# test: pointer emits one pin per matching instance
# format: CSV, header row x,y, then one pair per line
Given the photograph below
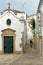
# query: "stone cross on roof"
x,y
9,6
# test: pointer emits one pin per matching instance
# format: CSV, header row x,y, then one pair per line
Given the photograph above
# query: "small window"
x,y
8,22
38,17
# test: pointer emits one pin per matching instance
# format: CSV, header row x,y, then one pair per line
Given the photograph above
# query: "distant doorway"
x,y
8,44
31,43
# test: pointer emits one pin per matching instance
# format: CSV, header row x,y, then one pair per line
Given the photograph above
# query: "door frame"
x,y
12,44
8,32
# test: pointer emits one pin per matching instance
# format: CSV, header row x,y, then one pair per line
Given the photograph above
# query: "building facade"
x,y
39,28
12,31
29,29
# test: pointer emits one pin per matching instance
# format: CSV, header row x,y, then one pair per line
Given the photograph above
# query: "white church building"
x,y
12,31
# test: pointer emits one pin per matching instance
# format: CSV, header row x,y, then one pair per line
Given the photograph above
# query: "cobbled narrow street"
x,y
28,58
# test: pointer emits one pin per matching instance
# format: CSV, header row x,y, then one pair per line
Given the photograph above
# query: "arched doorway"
x,y
8,38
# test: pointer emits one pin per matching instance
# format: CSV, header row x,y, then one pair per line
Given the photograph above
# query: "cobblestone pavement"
x,y
28,58
25,60
7,58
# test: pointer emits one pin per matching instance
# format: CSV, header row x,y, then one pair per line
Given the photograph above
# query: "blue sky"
x,y
30,6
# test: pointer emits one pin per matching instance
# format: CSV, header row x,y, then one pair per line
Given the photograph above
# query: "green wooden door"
x,y
8,44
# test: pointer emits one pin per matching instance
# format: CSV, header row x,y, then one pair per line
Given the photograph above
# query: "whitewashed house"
x,y
12,31
29,30
39,28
